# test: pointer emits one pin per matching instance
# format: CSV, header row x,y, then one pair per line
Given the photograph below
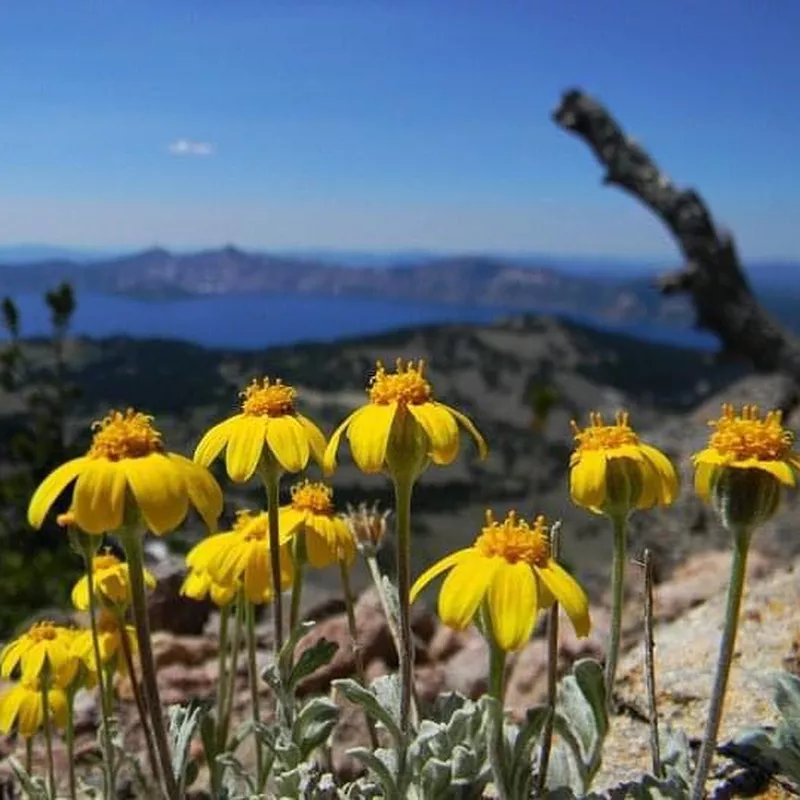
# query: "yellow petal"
x,y
448,562
587,479
569,594
468,425
99,498
703,475
321,553
30,713
210,446
781,470
329,457
257,581
289,521
316,439
288,441
159,489
709,456
368,435
464,588
57,700
10,702
11,655
33,661
513,605
196,585
668,483
204,492
80,594
50,488
441,429
245,445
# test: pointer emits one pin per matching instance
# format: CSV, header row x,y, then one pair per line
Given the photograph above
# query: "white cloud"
x,y
188,147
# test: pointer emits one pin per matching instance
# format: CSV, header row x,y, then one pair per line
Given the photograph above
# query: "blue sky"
x,y
389,124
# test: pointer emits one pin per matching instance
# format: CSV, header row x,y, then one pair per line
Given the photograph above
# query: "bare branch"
x,y
714,278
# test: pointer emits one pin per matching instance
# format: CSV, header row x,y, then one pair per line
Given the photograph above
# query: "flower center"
x,y
267,399
252,527
515,540
43,632
599,436
748,436
314,497
128,435
405,386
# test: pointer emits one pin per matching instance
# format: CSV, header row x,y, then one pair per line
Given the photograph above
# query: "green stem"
x,y
105,706
132,541
222,733
735,588
552,688
617,596
141,703
402,490
271,476
358,654
377,579
497,670
70,743
299,557
253,675
48,736
29,755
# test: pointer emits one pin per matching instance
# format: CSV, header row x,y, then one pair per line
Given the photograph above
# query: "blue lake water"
x,y
256,321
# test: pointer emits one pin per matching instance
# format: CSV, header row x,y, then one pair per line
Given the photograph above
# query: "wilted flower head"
x,y
613,472
368,524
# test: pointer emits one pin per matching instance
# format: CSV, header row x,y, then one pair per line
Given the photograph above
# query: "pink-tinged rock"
x,y
468,670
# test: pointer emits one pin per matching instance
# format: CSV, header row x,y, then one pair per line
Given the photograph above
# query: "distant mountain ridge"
x,y
497,282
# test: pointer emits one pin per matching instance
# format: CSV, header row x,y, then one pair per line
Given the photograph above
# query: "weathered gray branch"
x,y
722,296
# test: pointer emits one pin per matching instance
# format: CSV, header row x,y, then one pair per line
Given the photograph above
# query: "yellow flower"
x,y
401,426
111,580
241,557
199,585
126,464
109,640
509,569
327,538
268,422
612,472
45,649
22,704
747,461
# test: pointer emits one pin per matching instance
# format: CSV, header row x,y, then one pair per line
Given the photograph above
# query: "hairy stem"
x,y
552,688
735,588
358,655
617,597
403,490
48,735
132,541
139,699
222,732
271,476
253,677
105,706
69,736
299,558
649,664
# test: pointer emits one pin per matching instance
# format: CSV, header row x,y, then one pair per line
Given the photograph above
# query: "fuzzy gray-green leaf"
x,y
382,764
357,694
318,655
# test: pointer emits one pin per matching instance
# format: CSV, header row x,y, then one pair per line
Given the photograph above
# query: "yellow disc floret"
x,y
599,436
747,436
314,497
515,540
125,435
406,386
266,399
